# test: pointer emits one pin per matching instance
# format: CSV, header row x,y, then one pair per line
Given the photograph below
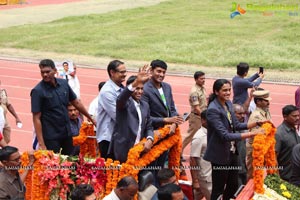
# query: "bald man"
x,y
240,113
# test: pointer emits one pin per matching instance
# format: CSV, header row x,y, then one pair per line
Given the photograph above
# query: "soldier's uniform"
x,y
197,97
257,115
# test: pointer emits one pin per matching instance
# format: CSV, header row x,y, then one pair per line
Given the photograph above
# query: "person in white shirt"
x,y
126,189
74,82
94,104
201,169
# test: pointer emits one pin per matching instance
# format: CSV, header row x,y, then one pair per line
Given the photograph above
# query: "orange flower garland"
x,y
109,176
134,162
263,153
39,190
27,183
87,145
174,156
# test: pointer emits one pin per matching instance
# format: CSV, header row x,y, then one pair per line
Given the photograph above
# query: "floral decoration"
x,y
282,187
91,171
263,156
87,145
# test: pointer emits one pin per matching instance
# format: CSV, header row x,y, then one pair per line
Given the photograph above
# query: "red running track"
x,y
19,78
29,3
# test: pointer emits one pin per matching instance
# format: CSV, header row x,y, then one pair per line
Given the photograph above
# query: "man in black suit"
x,y
133,122
158,95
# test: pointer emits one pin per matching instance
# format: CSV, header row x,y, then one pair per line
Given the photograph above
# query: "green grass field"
x,y
178,31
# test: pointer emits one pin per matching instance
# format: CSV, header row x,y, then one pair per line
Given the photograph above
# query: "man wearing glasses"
x,y
11,182
106,114
261,113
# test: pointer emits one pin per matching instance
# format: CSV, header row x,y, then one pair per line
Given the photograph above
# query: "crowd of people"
x,y
221,130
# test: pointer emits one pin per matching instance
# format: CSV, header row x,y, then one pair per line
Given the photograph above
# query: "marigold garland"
x,y
37,186
174,156
87,145
27,183
134,162
109,175
114,171
263,156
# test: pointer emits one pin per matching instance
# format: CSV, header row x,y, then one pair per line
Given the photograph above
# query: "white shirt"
x,y
111,196
163,98
74,84
93,108
2,119
198,148
138,109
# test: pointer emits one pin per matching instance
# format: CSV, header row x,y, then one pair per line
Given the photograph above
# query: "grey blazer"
x,y
220,132
158,110
127,124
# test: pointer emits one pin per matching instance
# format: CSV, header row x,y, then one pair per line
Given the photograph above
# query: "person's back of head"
x,y
82,191
165,175
158,63
169,192
6,151
126,188
47,63
100,85
242,68
130,79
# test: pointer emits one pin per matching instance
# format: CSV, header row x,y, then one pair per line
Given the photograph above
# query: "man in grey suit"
x,y
133,122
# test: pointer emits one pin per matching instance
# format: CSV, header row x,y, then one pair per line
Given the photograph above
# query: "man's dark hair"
x,y
131,79
164,174
203,114
288,109
165,192
47,63
242,68
82,191
100,85
197,74
158,63
65,63
113,65
6,151
126,181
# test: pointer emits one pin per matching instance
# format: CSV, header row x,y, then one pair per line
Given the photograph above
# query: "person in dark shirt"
x,y
240,84
49,101
11,182
295,178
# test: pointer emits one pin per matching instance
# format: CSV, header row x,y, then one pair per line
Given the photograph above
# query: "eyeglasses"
x,y
121,72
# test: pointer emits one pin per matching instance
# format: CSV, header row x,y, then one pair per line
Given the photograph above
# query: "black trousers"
x,y
225,179
65,145
103,147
